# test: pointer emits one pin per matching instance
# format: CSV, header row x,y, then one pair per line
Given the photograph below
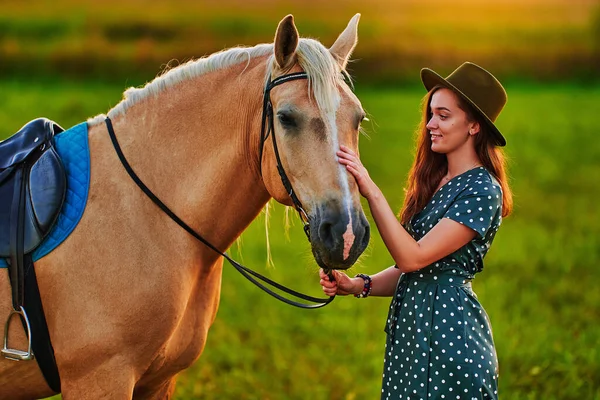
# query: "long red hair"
x,y
429,167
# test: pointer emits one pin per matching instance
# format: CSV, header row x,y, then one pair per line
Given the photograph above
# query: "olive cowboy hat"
x,y
477,87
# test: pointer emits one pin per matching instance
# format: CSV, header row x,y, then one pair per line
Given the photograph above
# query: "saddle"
x,y
33,185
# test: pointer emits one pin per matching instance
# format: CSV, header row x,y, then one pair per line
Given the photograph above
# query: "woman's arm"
x,y
382,283
445,237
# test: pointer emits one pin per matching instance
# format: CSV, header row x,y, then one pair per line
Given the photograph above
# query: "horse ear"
x,y
286,41
344,45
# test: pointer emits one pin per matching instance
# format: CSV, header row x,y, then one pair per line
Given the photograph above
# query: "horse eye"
x,y
286,120
362,118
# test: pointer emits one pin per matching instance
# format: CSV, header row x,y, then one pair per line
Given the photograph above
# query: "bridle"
x,y
267,127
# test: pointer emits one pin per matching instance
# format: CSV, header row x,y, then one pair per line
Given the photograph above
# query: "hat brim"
x,y
432,79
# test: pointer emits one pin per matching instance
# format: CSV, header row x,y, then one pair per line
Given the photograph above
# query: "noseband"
x,y
267,127
252,276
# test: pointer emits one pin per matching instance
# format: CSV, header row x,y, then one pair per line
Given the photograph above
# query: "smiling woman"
x,y
439,339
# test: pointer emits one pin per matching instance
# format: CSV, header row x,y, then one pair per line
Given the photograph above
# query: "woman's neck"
x,y
461,161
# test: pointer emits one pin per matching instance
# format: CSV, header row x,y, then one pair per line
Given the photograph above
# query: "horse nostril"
x,y
366,237
326,234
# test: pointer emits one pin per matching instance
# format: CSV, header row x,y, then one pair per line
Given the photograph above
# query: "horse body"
x,y
129,296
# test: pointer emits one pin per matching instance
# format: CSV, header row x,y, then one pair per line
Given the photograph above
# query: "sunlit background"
x,y
69,60
524,39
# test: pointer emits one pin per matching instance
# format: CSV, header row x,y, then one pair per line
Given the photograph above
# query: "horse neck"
x,y
196,146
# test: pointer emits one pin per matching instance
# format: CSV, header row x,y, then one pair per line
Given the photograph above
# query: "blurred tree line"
x,y
136,39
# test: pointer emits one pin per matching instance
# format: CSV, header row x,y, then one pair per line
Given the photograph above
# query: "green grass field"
x,y
539,285
67,60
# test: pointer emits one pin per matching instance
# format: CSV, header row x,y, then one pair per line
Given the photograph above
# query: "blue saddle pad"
x,y
73,147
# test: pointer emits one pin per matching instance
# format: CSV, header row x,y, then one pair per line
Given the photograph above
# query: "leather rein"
x,y
267,126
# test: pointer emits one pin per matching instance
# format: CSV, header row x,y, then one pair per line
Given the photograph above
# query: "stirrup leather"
x,y
15,354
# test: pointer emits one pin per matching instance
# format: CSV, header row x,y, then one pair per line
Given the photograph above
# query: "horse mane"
x,y
324,76
323,72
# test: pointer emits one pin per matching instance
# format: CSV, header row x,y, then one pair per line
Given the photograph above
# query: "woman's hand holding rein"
x,y
382,283
342,285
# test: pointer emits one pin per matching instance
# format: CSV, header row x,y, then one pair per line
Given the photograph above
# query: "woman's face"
x,y
449,126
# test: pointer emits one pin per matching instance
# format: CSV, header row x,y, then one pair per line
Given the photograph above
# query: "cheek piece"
x,y
267,126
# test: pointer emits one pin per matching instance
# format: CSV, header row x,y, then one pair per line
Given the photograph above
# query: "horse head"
x,y
311,118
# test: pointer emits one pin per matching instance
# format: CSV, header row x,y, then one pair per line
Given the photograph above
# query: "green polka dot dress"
x,y
439,339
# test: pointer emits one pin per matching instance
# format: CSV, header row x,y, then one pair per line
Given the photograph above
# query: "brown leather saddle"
x,y
33,185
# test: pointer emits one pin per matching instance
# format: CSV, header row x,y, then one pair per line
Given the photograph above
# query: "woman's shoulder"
x,y
482,183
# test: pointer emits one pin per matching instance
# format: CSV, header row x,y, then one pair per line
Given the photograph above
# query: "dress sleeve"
x,y
476,207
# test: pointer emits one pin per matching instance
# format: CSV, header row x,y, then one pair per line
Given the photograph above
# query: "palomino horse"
x,y
130,296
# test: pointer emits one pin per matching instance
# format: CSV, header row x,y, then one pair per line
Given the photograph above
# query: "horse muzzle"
x,y
338,235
